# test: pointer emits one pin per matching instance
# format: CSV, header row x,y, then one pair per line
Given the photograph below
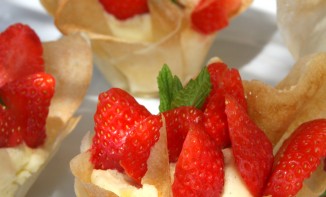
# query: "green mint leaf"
x,y
168,86
195,92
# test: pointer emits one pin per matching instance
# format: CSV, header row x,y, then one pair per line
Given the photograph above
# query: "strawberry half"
x,y
298,157
177,126
252,150
209,16
224,81
215,120
138,146
125,9
10,133
27,102
199,169
117,114
20,53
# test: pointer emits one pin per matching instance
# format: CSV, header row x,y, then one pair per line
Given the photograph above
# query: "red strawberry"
x,y
125,9
252,150
10,133
116,116
298,157
199,169
138,146
209,16
20,53
28,100
215,120
224,81
177,126
231,6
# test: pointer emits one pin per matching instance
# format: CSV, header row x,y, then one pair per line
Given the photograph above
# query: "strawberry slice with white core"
x,y
252,150
298,157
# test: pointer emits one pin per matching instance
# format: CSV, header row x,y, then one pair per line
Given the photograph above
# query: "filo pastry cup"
x,y
301,95
69,60
156,182
130,53
298,98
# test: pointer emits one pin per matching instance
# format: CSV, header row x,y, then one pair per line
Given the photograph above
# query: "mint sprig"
x,y
173,94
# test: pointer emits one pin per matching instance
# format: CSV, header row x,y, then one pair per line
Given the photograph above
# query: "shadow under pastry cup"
x,y
69,60
130,53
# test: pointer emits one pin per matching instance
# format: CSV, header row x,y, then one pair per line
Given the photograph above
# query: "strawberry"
x,y
199,169
227,80
215,121
125,9
138,146
20,53
297,158
209,16
10,133
231,6
177,125
27,100
224,81
115,118
252,150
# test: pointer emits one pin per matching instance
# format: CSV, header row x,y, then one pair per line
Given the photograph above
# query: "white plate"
x,y
251,43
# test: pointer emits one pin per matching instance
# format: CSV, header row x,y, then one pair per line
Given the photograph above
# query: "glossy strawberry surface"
x,y
138,146
298,157
209,16
177,126
116,116
25,89
199,169
125,9
20,53
252,150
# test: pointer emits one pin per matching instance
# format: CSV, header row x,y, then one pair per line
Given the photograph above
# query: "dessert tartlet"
x,y
38,97
208,140
130,49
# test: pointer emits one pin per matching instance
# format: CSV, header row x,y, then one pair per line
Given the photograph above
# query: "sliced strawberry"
x,y
252,150
125,9
28,100
232,85
138,146
20,53
298,157
10,133
231,6
199,169
209,16
224,81
215,119
116,115
177,126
